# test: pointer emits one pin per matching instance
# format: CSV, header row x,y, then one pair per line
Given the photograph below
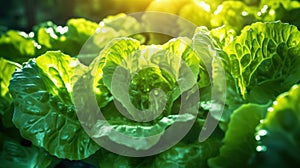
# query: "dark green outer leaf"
x,y
136,136
44,111
278,135
15,155
239,142
189,155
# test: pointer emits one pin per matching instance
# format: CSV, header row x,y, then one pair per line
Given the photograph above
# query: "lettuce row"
x,y
44,109
19,46
42,89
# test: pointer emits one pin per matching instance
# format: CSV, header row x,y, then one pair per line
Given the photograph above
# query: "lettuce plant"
x,y
150,79
44,111
264,58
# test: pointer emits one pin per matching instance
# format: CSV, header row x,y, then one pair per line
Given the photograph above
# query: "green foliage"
x,y
189,155
239,143
235,14
7,68
44,111
68,39
243,55
18,46
153,77
278,133
112,160
264,58
14,155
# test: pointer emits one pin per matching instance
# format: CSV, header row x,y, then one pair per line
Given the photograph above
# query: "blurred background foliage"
x,y
24,14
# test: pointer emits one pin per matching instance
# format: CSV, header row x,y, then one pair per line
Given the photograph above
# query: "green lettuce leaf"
x,y
213,4
120,25
189,155
264,60
276,9
44,111
69,39
18,46
223,91
144,82
7,68
135,134
148,72
235,14
239,143
14,154
192,12
223,35
80,30
278,134
112,160
153,23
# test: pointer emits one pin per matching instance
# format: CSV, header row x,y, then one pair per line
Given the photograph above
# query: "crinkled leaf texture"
x,y
239,143
279,133
265,60
223,92
148,70
143,81
44,111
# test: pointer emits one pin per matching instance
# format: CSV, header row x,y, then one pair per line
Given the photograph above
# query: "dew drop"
x,y
261,148
257,137
156,92
262,133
